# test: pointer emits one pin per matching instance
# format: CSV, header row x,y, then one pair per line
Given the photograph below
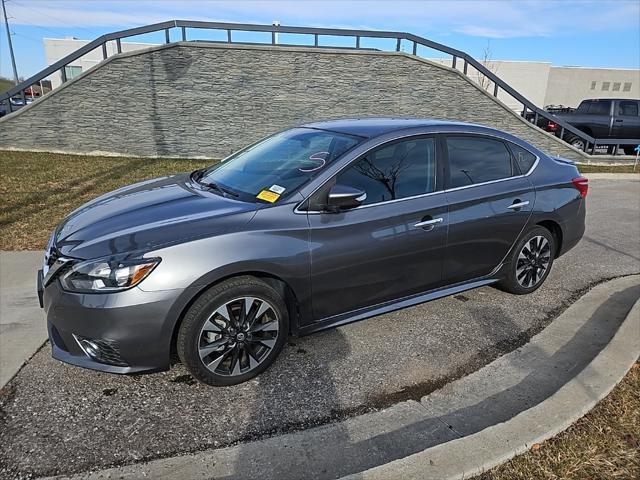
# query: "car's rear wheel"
x,y
530,262
233,331
577,142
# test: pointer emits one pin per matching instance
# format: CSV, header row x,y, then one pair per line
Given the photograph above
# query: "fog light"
x,y
103,351
89,347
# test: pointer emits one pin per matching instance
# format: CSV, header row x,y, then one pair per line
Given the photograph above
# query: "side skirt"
x,y
382,308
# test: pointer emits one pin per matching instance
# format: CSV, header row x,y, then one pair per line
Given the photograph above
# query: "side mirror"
x,y
343,197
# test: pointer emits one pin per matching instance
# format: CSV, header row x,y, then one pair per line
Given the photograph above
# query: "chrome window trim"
x,y
408,135
522,175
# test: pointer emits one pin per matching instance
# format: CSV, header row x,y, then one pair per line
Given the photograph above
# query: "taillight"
x,y
582,184
552,126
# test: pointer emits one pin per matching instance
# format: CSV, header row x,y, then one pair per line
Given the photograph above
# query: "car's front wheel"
x,y
530,262
233,331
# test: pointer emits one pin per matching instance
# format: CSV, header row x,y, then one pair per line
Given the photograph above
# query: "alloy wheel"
x,y
579,144
533,261
238,336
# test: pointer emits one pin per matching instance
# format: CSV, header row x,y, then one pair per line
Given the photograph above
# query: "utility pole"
x,y
13,58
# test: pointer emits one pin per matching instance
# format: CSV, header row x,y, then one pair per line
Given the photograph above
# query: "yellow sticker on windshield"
x,y
268,196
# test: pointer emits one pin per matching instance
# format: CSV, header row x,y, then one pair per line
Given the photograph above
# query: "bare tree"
x,y
487,54
388,178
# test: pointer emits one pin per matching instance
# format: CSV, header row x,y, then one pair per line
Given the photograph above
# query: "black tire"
x,y
576,142
525,275
230,297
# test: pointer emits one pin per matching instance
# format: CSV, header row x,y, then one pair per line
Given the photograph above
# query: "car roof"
x,y
373,127
611,99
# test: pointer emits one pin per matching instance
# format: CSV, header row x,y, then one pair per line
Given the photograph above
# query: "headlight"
x,y
95,276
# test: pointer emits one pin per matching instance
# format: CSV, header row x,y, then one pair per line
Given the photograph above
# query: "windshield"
x,y
278,165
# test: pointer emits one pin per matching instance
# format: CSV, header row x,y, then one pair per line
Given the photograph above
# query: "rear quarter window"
x,y
524,158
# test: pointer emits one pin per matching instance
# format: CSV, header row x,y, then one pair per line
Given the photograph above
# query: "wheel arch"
x,y
556,230
274,281
585,129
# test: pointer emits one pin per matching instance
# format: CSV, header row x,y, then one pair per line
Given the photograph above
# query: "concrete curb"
x,y
463,429
475,454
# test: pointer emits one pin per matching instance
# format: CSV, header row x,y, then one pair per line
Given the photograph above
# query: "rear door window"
x,y
474,160
596,107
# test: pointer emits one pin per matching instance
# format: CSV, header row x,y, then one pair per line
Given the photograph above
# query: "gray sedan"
x,y
310,228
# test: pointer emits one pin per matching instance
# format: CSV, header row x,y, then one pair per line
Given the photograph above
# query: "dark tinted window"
x,y
400,170
524,158
628,109
476,160
598,107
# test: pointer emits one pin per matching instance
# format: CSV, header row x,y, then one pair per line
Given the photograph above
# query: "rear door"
x,y
490,202
596,116
626,123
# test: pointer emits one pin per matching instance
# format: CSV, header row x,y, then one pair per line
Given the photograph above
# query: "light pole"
x,y
13,58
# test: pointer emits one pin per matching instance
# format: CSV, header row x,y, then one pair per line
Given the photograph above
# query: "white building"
x,y
57,48
540,82
545,84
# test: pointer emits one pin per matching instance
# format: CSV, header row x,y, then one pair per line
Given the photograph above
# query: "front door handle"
x,y
518,205
428,223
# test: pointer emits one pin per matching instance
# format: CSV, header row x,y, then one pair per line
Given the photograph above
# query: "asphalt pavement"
x,y
56,418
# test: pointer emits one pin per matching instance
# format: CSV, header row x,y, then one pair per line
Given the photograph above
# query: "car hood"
x,y
148,215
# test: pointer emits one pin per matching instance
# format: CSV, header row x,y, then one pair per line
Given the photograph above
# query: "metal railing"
x,y
529,110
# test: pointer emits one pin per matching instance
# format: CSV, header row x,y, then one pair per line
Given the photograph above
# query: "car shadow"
x,y
543,373
246,464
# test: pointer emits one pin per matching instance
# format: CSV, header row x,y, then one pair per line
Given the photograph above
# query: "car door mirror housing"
x,y
343,197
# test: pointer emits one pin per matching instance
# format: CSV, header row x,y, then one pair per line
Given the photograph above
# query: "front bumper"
x,y
132,329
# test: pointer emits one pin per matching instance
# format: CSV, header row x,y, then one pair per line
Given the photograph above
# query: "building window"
x,y
627,87
616,87
72,71
605,86
593,85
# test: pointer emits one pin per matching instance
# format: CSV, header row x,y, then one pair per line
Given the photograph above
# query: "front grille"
x,y
103,351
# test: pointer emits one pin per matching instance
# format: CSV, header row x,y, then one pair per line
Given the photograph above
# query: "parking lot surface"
x,y
56,418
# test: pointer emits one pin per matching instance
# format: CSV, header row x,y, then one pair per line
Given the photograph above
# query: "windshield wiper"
x,y
196,175
218,188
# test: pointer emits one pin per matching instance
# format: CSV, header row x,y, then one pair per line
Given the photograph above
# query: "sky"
x,y
563,32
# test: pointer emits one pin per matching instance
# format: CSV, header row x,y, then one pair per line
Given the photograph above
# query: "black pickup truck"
x,y
601,118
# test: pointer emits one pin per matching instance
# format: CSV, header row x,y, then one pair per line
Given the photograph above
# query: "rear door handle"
x,y
428,223
518,205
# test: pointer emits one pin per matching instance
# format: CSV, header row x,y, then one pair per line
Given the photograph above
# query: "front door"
x,y
392,245
626,121
490,202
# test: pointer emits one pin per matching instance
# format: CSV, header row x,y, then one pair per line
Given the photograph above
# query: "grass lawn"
x,y
604,444
38,189
584,168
